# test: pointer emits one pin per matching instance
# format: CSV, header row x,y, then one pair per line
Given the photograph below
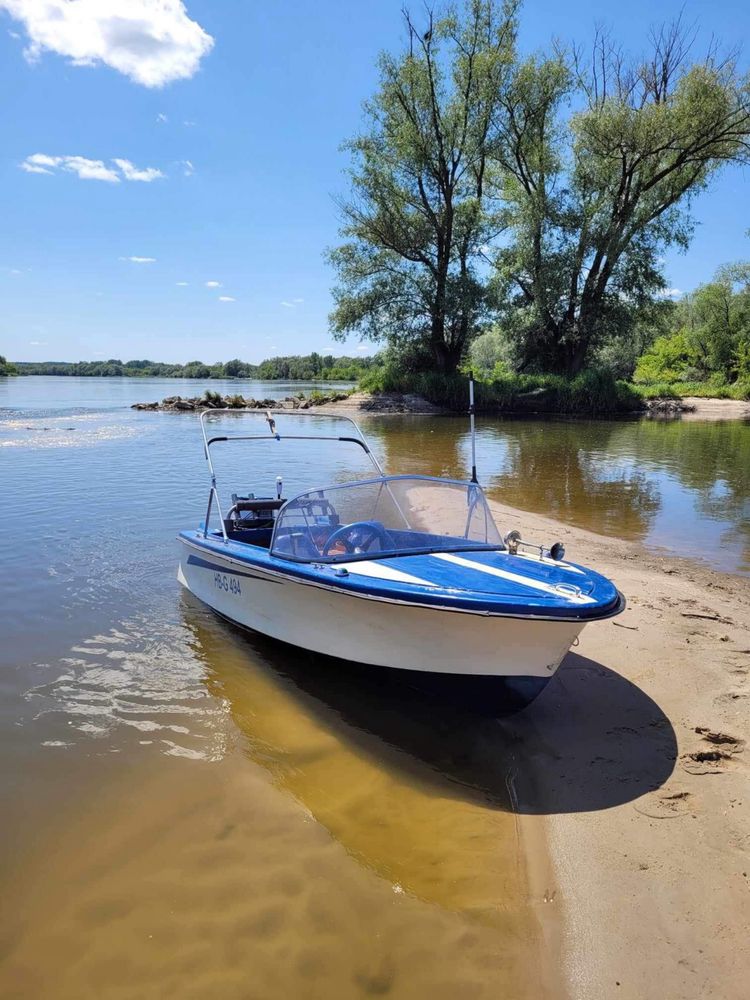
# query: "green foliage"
x,y
410,269
704,390
709,344
463,142
592,203
592,392
667,360
294,367
491,351
6,368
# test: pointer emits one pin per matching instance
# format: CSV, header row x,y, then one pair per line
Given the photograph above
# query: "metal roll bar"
x,y
274,434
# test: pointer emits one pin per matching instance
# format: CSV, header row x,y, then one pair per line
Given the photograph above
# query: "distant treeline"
x,y
293,367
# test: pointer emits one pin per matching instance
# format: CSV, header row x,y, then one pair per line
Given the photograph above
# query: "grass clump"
x,y
592,393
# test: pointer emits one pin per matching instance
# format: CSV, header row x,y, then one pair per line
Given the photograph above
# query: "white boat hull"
x,y
376,631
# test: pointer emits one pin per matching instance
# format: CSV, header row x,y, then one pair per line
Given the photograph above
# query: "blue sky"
x,y
245,127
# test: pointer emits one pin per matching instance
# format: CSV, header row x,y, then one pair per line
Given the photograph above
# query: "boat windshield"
x,y
393,515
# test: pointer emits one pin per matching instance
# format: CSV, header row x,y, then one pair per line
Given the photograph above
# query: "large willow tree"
x,y
592,200
414,227
579,173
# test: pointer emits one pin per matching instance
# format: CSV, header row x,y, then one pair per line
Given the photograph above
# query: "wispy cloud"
x,y
292,303
188,124
140,260
187,168
133,173
182,284
153,42
671,293
162,118
363,347
87,169
226,298
213,284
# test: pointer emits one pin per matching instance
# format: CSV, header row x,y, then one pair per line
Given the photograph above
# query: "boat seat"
x,y
258,503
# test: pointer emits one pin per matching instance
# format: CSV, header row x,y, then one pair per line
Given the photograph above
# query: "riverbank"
x,y
362,402
688,407
641,785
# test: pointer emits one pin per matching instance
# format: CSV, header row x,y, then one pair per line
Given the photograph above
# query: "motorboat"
x,y
408,572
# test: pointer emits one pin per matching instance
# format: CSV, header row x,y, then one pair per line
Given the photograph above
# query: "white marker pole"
x,y
473,433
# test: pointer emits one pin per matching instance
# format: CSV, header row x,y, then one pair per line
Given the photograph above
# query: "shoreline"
x,y
639,780
349,403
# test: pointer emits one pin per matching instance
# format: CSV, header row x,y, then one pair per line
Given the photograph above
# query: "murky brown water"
x,y
280,844
192,812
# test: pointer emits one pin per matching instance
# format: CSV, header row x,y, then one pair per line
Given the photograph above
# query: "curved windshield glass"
x,y
395,515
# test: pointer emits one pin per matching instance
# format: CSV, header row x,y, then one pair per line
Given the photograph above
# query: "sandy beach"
x,y
641,786
691,407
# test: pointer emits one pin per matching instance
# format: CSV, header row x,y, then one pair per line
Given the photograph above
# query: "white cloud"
x,y
213,284
162,118
133,173
87,169
140,260
363,347
38,343
226,298
188,124
292,303
182,284
288,305
671,293
153,42
187,168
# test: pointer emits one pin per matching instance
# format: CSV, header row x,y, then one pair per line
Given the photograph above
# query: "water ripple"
x,y
124,684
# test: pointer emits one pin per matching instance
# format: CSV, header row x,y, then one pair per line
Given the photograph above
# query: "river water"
x,y
193,812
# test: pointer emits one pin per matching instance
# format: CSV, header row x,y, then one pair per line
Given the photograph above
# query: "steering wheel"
x,y
358,537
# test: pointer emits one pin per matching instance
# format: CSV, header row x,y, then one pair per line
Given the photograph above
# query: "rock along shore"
x,y
365,402
218,402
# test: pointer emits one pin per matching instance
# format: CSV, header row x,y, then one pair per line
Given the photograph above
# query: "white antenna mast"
x,y
473,430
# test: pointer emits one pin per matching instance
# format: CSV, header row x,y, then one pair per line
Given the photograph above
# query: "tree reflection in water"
x,y
575,471
680,484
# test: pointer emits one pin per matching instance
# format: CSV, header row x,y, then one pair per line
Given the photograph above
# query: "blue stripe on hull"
x,y
217,568
456,587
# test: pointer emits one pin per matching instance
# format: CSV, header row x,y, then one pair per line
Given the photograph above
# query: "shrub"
x,y
593,392
667,360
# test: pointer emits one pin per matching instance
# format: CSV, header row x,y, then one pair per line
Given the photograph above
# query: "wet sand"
x,y
644,782
335,844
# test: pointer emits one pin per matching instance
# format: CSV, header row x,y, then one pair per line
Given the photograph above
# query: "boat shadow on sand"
x,y
590,741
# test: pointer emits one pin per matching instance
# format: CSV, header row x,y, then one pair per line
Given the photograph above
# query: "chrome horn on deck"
x,y
513,540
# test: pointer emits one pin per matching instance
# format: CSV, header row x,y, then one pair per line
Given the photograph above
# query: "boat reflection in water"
x,y
417,792
415,788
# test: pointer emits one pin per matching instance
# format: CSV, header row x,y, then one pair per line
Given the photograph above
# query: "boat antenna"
x,y
473,430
